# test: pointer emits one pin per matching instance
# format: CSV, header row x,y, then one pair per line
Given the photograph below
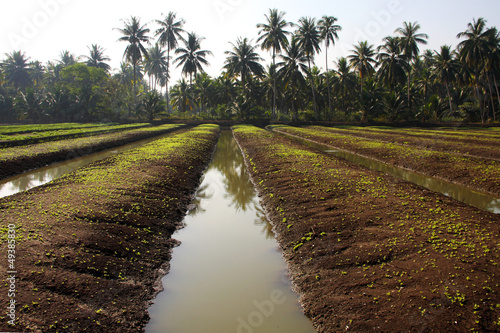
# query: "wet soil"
x,y
90,258
371,253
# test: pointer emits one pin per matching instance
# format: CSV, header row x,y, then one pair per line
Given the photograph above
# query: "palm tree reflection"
x,y
202,194
229,161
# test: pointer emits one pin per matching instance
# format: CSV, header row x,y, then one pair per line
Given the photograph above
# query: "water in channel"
x,y
461,193
227,275
38,177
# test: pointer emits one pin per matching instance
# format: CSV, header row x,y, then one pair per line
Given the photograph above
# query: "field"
x,y
37,135
469,158
15,160
365,251
93,245
22,129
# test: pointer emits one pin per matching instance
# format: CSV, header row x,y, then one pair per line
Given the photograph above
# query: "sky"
x,y
44,28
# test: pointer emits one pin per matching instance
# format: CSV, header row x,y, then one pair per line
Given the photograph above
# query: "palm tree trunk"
x,y
365,115
294,106
478,96
243,83
498,95
449,99
479,99
313,92
328,86
408,95
135,89
274,83
167,95
344,107
490,86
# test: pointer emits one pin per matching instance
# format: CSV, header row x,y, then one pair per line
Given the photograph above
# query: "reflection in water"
x,y
201,194
225,270
457,192
229,162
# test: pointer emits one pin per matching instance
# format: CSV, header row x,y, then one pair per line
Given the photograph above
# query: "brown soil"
x,y
23,163
370,253
90,257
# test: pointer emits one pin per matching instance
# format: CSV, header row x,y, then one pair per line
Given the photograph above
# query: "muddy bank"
x,y
17,160
368,252
92,246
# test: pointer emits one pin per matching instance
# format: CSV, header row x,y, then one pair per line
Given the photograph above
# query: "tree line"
x,y
393,81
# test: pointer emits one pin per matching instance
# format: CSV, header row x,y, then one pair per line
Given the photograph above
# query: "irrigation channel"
x,y
461,193
38,177
227,275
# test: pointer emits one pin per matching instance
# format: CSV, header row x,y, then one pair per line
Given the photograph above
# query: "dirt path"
x,y
91,247
370,253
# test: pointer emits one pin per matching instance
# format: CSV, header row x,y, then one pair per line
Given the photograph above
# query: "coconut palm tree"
x,y
191,57
243,61
394,104
309,39
204,91
423,78
226,90
156,64
268,83
362,61
393,65
345,81
53,72
329,33
67,58
493,62
181,96
136,35
169,34
153,103
125,74
30,102
476,51
97,58
445,69
410,39
292,67
37,72
274,37
16,69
